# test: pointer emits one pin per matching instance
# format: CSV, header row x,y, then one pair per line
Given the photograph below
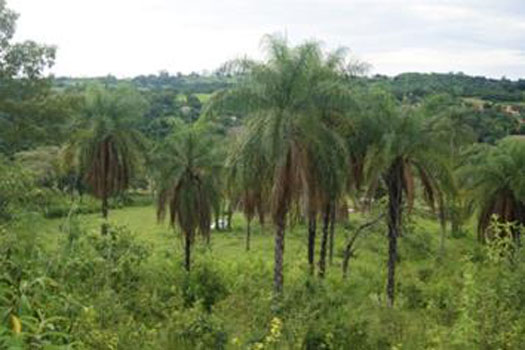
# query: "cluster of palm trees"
x,y
311,139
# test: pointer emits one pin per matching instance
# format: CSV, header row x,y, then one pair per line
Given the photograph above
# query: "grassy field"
x,y
203,97
352,309
230,245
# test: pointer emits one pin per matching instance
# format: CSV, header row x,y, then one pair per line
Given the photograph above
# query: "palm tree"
x,y
107,147
406,149
494,177
448,120
248,180
330,167
187,183
285,100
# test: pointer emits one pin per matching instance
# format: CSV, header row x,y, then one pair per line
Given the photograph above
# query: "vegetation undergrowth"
x,y
128,290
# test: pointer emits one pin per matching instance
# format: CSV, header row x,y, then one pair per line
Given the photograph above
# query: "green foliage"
x,y
204,285
418,85
186,177
494,176
121,255
56,204
192,329
20,60
125,290
28,296
51,294
107,149
309,131
17,190
44,163
28,111
491,308
184,83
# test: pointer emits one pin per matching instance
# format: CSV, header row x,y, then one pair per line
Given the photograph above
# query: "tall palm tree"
x,y
406,149
494,175
285,99
107,147
187,183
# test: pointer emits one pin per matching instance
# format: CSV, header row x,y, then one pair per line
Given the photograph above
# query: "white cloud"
x,y
130,37
440,12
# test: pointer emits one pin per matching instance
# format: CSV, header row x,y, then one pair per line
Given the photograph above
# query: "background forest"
x,y
289,203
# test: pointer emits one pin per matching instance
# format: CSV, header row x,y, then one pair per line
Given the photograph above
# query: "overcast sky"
x,y
131,37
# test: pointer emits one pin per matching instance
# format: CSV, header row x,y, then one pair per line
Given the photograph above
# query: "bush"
x,y
192,329
17,190
205,285
31,302
119,257
58,204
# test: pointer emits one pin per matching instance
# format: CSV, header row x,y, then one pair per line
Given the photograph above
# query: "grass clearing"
x,y
245,310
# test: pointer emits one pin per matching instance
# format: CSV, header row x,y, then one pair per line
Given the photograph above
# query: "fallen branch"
x,y
349,251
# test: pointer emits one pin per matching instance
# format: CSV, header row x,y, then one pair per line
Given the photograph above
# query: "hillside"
x,y
405,85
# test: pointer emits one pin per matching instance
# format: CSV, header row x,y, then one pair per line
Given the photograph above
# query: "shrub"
x,y
205,285
122,255
195,330
17,190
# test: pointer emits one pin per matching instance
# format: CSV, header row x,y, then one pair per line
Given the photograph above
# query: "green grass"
x,y
203,97
310,308
475,101
229,246
418,250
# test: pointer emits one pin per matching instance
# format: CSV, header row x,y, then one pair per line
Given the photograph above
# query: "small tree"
x,y
187,183
405,149
494,175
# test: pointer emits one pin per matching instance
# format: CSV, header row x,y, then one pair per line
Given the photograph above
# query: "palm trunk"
x,y
395,197
347,255
324,241
187,251
280,216
104,227
217,220
342,214
261,220
332,234
455,226
442,218
392,256
229,218
279,252
312,223
443,235
248,222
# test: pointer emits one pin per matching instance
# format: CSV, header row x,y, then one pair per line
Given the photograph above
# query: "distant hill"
x,y
191,83
417,85
412,86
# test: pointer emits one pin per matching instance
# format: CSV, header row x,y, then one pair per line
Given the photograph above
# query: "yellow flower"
x,y
258,346
16,324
